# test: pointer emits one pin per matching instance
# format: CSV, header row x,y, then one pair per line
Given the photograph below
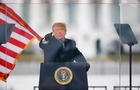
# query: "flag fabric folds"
x,y
20,38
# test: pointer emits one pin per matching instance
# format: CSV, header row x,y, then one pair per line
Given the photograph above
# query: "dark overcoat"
x,y
57,51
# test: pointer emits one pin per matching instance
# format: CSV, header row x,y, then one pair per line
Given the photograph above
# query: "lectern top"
x,y
125,34
5,32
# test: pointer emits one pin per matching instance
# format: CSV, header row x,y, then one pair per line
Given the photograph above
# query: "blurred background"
x,y
91,24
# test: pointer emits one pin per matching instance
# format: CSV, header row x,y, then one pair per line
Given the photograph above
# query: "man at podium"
x,y
60,51
57,48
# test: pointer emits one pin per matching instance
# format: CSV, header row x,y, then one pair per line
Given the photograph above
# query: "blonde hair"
x,y
59,24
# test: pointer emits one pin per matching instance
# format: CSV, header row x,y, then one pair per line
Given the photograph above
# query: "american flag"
x,y
20,38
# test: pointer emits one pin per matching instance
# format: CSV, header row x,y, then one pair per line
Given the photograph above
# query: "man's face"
x,y
59,32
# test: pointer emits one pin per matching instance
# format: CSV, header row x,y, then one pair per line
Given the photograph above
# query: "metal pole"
x,y
130,67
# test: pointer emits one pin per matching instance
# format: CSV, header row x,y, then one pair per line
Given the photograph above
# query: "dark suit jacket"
x,y
55,51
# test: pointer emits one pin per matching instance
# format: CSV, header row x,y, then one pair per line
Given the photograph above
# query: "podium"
x,y
63,76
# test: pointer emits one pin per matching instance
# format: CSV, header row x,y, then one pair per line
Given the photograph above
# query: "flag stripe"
x,y
19,37
3,76
7,58
12,47
23,33
16,42
8,52
6,64
2,21
4,69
